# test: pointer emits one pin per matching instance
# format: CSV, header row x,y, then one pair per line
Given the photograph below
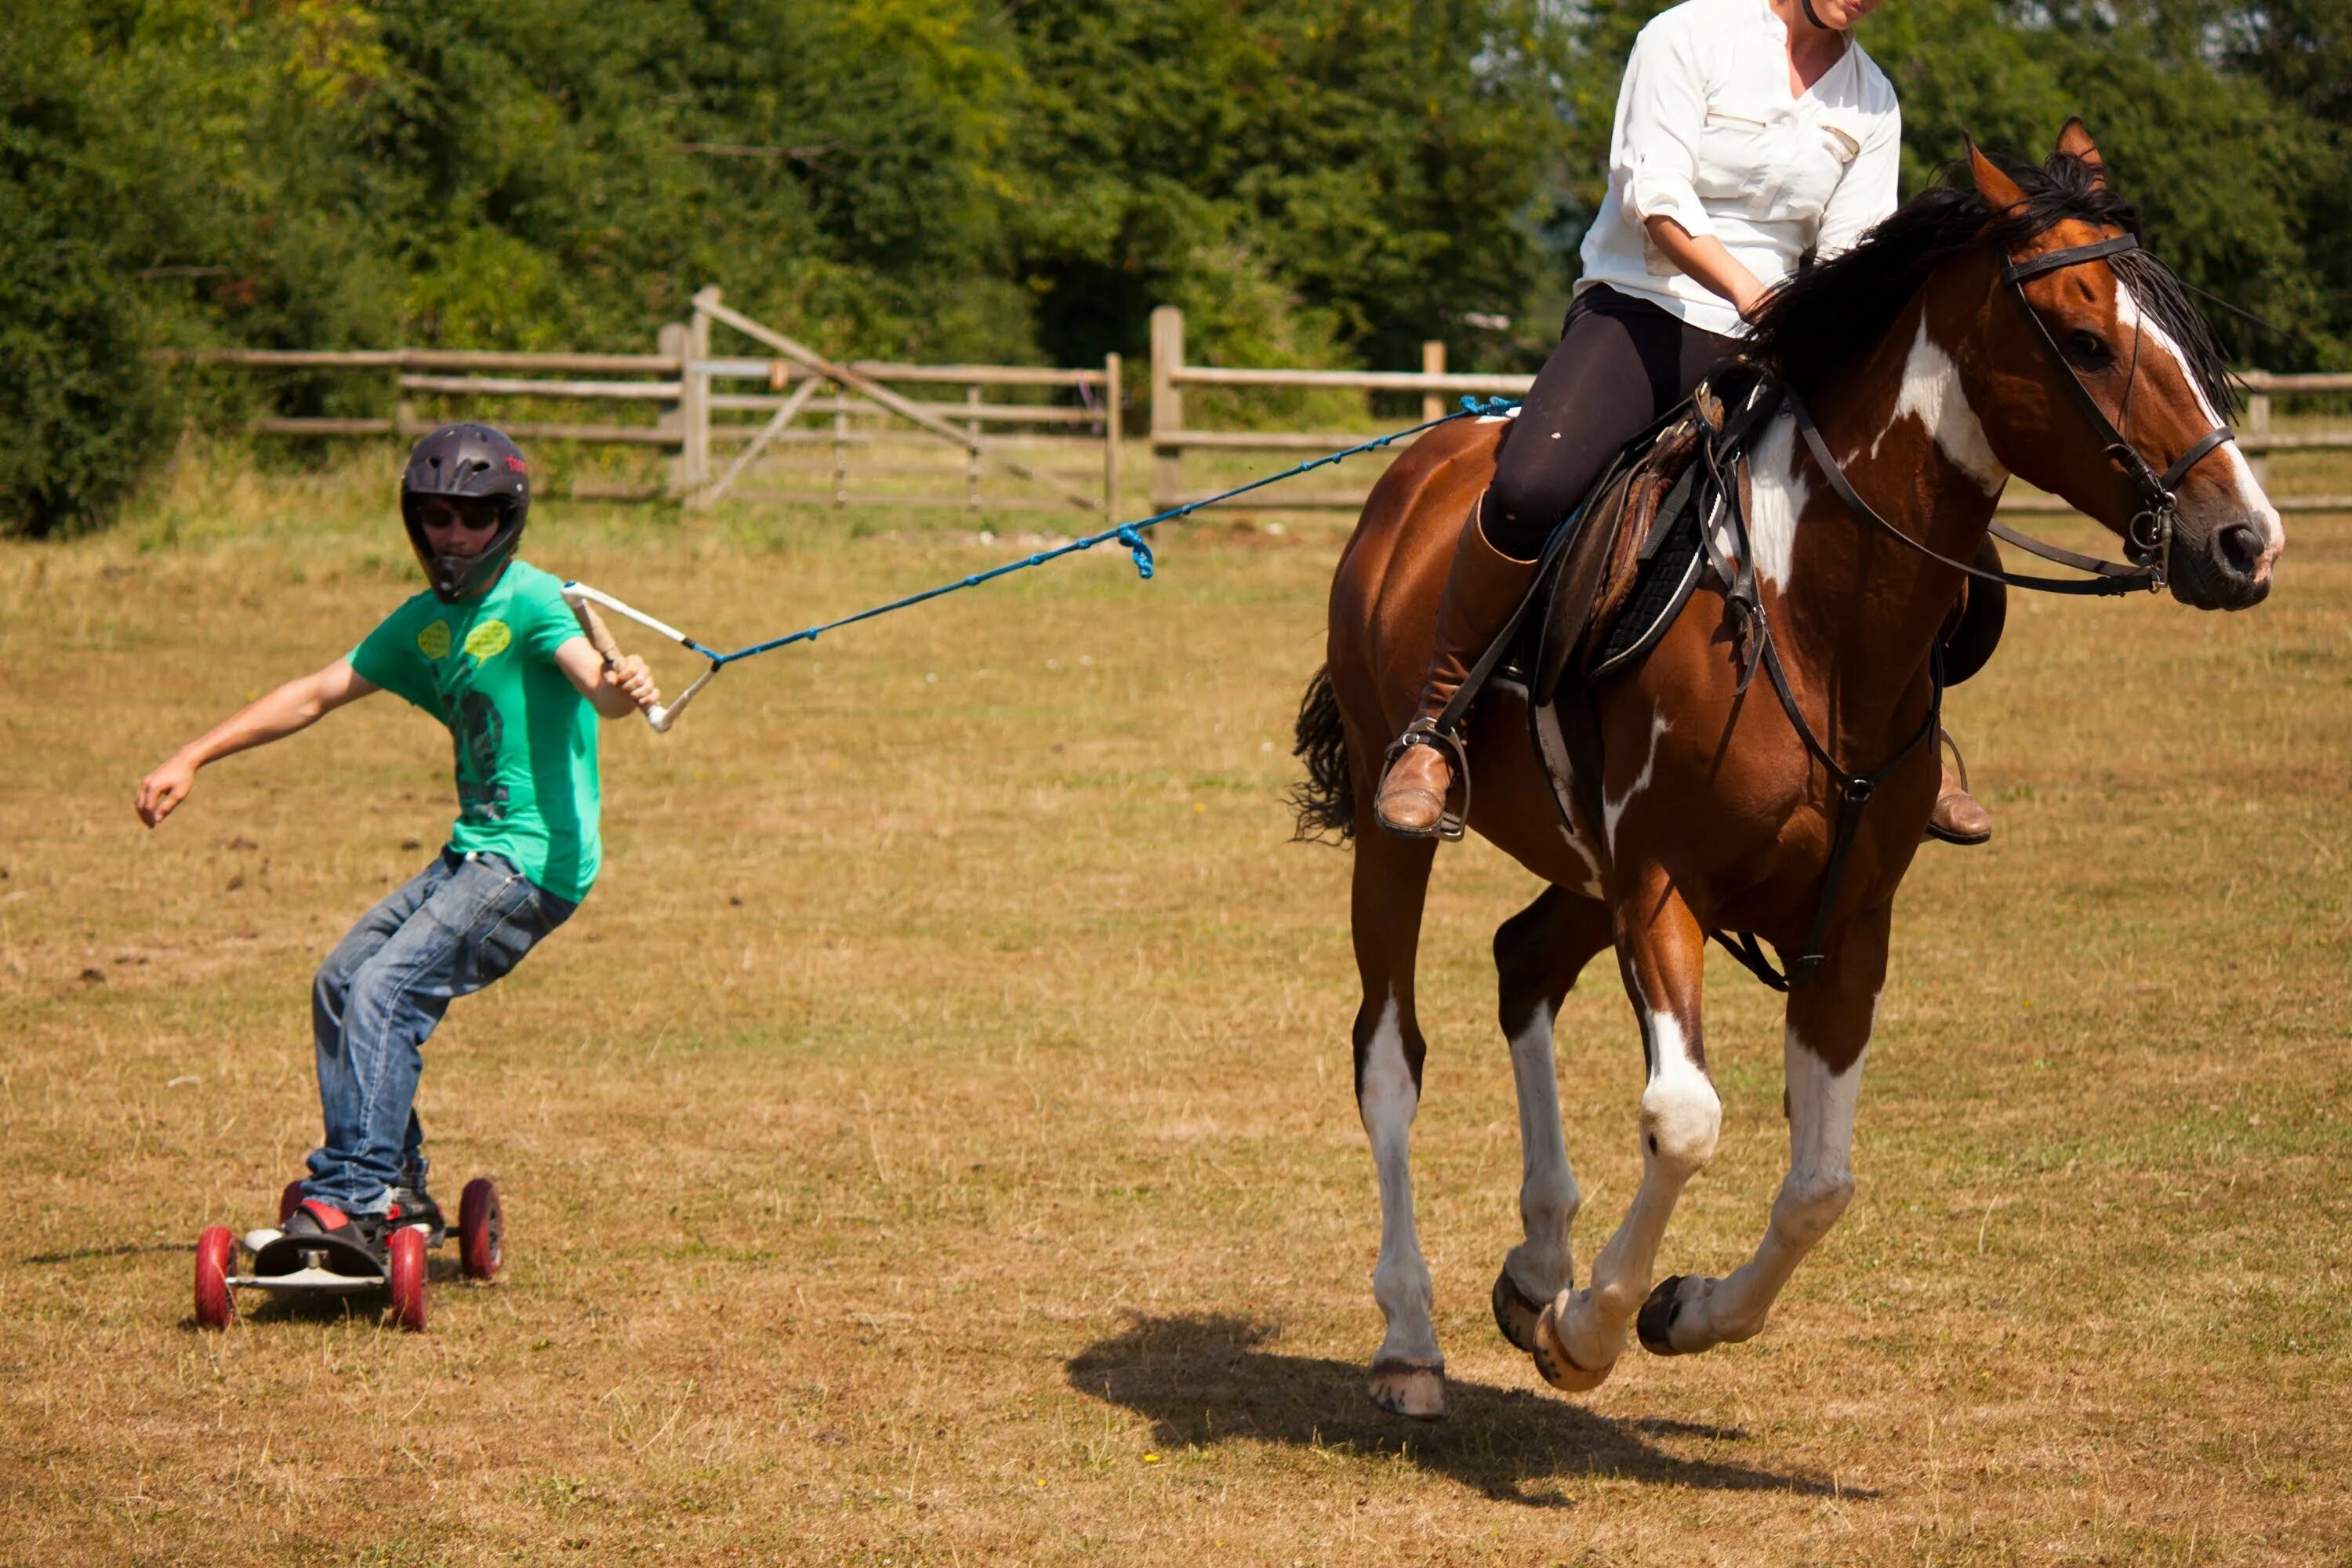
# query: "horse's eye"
x,y
2088,349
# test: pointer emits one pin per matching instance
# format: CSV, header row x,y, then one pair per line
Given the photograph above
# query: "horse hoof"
x,y
1515,1314
1410,1388
1656,1323
1552,1360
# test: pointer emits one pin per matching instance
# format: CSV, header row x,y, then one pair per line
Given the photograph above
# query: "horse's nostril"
x,y
2241,549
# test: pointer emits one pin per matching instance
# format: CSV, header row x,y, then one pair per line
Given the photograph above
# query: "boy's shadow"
x,y
1208,1379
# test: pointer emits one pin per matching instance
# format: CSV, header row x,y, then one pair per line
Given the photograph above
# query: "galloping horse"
x,y
2012,330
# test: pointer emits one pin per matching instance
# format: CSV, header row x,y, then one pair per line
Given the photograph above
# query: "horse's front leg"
x,y
1829,1025
1660,950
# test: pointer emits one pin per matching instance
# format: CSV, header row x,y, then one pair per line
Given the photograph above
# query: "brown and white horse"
x,y
1919,356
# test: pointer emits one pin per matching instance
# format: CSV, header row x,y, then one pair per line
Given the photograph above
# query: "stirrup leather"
x,y
1425,732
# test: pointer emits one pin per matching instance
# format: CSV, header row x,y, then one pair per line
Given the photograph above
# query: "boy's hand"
x,y
165,788
631,678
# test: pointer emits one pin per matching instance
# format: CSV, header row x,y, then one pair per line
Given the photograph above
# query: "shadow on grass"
x,y
1210,1379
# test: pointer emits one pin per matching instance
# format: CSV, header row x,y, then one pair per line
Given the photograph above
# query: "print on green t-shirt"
x,y
525,739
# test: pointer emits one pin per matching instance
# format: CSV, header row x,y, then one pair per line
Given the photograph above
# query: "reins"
x,y
2147,539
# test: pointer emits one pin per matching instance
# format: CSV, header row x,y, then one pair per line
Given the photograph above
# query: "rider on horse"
x,y
1748,133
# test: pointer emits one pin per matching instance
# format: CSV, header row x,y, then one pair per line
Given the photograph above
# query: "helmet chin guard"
x,y
466,462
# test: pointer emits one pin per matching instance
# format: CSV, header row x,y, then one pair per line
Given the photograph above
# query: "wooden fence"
x,y
874,432
872,444
1172,438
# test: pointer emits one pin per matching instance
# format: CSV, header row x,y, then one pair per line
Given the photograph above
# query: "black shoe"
x,y
356,1240
410,1206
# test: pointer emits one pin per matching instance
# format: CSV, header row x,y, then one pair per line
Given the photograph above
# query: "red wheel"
x,y
289,1200
406,1277
215,1301
482,1239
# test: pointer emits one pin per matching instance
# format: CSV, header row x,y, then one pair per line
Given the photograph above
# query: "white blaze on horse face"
x,y
2246,488
1933,394
1613,810
1387,1097
1780,494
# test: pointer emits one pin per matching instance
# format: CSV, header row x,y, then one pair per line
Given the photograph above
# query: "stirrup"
x,y
1946,743
1424,732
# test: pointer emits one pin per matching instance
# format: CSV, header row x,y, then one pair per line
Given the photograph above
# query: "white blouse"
x,y
1706,134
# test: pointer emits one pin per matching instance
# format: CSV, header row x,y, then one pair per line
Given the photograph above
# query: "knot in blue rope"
x,y
1136,547
1490,407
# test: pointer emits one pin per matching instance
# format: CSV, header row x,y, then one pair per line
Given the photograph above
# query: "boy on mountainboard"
x,y
492,650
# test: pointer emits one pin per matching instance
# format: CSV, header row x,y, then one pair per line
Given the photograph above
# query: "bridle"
x,y
2148,538
2147,542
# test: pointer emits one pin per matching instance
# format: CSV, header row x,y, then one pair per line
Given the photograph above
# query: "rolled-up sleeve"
x,y
1661,115
1867,191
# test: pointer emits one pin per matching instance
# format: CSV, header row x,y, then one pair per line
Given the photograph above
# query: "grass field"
x,y
932,1142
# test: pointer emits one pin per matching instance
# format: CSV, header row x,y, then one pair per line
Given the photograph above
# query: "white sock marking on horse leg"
x,y
1611,811
1386,1100
1815,1191
1779,499
1681,1119
2248,490
1933,394
1543,1265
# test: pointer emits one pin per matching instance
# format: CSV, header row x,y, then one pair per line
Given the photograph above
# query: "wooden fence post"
x,y
1111,412
840,448
2258,423
1167,407
1432,362
693,398
971,455
673,341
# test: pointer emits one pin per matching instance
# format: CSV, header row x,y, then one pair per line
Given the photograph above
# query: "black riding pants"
x,y
1622,361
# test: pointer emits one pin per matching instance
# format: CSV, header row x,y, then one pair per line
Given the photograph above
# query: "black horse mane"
x,y
1828,313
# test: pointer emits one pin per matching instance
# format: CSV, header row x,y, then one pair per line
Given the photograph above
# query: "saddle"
x,y
1634,549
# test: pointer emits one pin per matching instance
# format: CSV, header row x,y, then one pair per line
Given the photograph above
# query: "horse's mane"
x,y
1830,312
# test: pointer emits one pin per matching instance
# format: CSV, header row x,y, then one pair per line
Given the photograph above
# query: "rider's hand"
x,y
629,676
165,788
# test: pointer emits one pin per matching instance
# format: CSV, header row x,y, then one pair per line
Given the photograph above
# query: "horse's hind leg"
x,y
1827,1031
1539,953
1392,878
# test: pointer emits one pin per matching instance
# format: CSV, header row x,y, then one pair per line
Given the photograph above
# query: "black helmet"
x,y
475,462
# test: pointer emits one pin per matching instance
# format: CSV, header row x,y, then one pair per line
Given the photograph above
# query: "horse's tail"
x,y
1326,802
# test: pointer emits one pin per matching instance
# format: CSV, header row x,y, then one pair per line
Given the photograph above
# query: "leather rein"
x,y
2148,541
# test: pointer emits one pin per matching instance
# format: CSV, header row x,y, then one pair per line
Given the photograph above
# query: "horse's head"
x,y
2098,380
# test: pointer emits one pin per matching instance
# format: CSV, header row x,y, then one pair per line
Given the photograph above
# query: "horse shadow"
x,y
1207,1379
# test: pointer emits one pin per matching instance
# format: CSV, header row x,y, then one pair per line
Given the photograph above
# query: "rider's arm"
x,y
1703,259
1661,117
1866,192
616,692
296,705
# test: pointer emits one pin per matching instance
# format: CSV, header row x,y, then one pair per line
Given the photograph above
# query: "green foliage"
x,y
1319,181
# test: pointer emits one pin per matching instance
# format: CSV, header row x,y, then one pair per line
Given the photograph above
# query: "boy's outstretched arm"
x,y
296,705
616,691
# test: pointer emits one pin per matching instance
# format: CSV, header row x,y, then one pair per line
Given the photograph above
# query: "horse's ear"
x,y
2076,142
1999,192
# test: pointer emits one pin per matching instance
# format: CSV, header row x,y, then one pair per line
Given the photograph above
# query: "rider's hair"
x,y
1814,323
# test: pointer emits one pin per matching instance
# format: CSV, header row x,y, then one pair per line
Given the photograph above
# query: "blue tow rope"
x,y
1130,535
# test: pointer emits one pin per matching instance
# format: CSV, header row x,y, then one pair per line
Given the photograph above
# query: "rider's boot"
x,y
1482,588
1959,818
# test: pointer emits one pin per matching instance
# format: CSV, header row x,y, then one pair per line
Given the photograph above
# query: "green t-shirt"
x,y
526,739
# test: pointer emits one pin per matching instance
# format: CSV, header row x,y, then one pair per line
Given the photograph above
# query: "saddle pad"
x,y
1668,573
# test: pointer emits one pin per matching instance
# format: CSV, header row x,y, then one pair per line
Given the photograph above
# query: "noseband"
x,y
2148,539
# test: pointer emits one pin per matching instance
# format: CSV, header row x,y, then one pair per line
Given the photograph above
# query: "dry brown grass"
x,y
932,1142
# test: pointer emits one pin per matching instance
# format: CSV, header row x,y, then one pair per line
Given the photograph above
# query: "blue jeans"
x,y
452,929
